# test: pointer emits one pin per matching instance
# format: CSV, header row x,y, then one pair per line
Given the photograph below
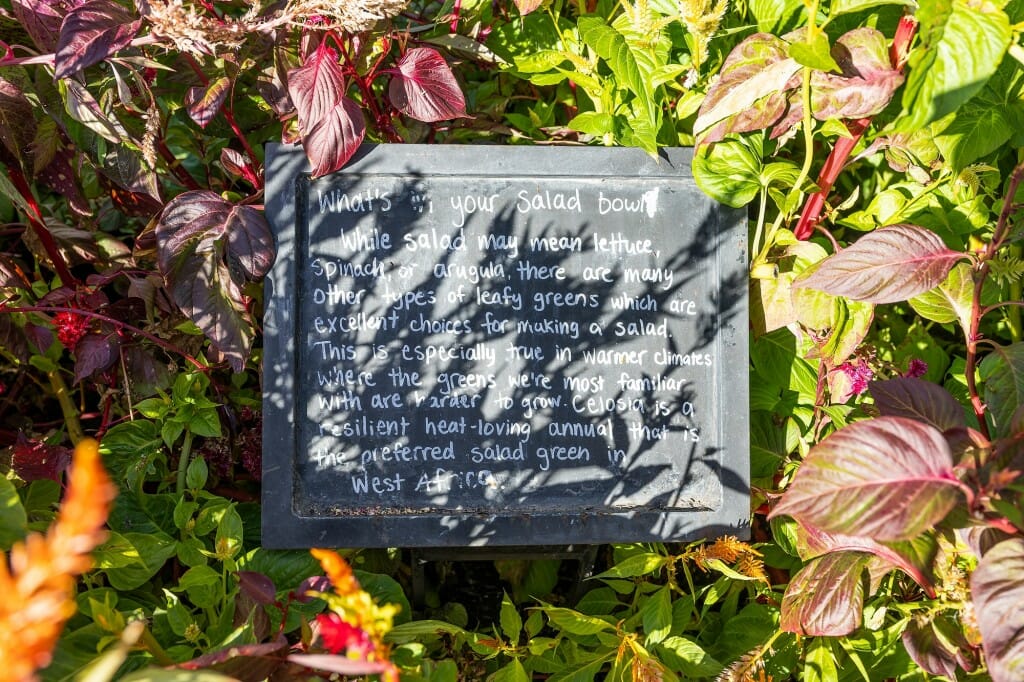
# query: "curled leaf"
x,y
885,266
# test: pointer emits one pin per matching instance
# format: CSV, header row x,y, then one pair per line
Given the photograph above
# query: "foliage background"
x,y
878,146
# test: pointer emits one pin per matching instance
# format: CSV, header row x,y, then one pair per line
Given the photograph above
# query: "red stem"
x,y
811,214
35,220
980,274
380,120
229,116
453,27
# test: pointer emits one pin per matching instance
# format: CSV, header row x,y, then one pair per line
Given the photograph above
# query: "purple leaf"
x,y
867,83
826,597
95,352
425,88
750,93
92,32
889,478
998,594
888,265
204,103
918,399
332,125
200,239
938,646
41,19
257,587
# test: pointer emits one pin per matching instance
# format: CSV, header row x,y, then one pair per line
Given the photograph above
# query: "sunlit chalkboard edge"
x,y
283,528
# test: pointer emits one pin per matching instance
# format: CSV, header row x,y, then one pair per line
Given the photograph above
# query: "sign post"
x,y
482,346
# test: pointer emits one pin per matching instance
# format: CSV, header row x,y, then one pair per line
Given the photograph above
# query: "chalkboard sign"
x,y
472,345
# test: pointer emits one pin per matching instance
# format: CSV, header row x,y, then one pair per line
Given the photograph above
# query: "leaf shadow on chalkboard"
x,y
450,378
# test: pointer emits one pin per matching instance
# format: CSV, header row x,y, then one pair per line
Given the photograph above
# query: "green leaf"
x,y
773,15
612,47
850,6
575,623
980,127
13,520
820,662
815,54
728,172
511,621
386,590
686,656
156,675
539,61
656,612
1002,370
593,123
128,448
646,563
417,630
196,474
229,533
202,584
950,301
513,672
285,568
582,672
131,559
961,46
205,423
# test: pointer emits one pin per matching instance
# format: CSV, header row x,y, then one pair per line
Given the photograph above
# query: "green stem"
x,y
67,406
805,170
153,647
183,461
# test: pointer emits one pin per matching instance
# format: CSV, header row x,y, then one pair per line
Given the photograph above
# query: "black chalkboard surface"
x,y
473,345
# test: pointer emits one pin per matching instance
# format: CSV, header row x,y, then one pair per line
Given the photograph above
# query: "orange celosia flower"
x,y
338,571
37,586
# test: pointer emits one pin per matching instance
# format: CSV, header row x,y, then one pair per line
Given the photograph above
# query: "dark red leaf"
x,y
60,176
938,646
425,88
92,32
200,239
885,266
257,587
17,124
826,597
95,352
35,460
332,125
239,165
204,103
917,399
998,594
888,478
